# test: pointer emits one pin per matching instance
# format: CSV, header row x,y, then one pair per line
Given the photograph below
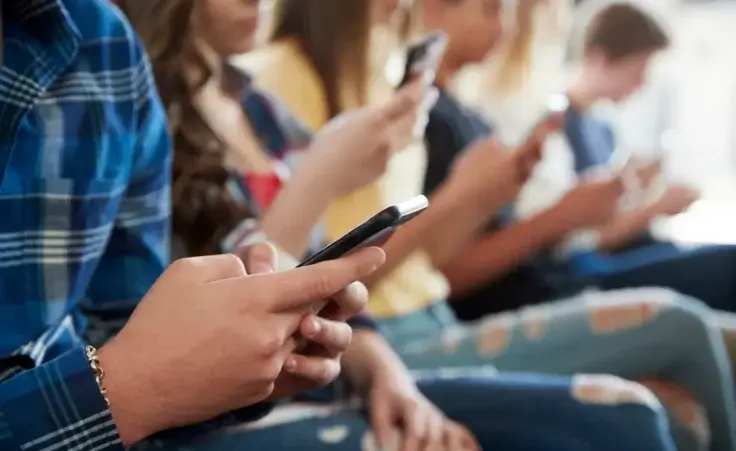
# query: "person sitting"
x,y
621,253
407,294
86,184
220,202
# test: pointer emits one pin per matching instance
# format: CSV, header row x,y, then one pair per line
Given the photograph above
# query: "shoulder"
x,y
275,59
107,40
99,20
281,68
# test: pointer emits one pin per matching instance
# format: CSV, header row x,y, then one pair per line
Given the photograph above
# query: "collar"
x,y
46,20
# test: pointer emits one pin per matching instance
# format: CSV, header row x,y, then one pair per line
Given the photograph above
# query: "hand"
x,y
675,200
592,203
318,363
421,426
493,173
208,338
647,172
354,148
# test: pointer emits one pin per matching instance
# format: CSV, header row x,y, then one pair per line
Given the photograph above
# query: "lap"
x,y
505,412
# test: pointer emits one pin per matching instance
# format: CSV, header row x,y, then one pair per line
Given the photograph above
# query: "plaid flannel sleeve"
x,y
56,406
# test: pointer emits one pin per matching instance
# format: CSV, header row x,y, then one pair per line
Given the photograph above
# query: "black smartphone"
x,y
424,56
373,232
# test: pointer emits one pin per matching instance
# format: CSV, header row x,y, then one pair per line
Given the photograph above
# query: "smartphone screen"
x,y
424,56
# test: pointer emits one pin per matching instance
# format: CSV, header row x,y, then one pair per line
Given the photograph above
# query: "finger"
x,y
405,102
415,430
346,303
458,437
382,422
319,370
300,288
435,431
260,258
334,336
212,268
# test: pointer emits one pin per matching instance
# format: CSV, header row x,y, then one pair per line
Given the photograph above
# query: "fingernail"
x,y
314,328
290,364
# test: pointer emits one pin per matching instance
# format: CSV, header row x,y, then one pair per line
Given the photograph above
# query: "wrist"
x,y
322,191
474,194
132,418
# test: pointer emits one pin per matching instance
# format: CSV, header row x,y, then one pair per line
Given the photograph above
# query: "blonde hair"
x,y
515,60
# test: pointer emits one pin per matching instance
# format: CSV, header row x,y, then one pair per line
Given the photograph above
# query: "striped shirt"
x,y
84,193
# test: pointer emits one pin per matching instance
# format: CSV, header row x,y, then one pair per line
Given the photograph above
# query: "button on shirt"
x,y
84,199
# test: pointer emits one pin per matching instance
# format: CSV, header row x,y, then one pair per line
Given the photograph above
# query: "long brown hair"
x,y
203,209
335,36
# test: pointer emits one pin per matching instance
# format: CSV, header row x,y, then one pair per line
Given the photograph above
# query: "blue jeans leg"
x,y
506,413
636,334
707,273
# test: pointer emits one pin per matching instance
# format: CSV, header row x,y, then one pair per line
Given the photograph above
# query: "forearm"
x,y
369,356
625,228
293,215
453,217
489,257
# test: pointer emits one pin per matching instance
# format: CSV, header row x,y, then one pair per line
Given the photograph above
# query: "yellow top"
x,y
283,69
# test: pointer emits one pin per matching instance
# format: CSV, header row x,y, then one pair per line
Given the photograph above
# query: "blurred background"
x,y
688,112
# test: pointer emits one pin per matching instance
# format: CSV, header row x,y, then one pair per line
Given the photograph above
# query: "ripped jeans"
x,y
509,412
639,334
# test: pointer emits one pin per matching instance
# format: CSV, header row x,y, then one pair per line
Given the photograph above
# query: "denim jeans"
x,y
505,412
637,334
707,273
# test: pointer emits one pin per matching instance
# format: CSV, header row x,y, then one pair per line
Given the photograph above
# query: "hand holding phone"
x,y
424,56
376,231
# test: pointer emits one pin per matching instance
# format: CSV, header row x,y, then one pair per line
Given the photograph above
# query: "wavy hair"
x,y
204,211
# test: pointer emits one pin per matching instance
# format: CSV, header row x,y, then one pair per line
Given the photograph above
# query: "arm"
x,y
456,212
625,228
370,356
292,231
491,256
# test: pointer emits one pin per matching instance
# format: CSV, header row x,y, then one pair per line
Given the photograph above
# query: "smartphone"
x,y
373,232
424,56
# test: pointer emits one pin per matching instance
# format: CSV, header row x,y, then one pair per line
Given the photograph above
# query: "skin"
x,y
601,78
474,27
370,363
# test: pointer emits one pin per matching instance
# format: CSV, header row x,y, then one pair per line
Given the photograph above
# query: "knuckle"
x,y
266,391
270,370
185,266
323,286
269,344
330,372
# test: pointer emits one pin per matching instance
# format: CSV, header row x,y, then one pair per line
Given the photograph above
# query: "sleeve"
x,y
138,250
442,150
56,406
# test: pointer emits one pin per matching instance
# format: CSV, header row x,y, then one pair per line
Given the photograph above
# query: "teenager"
x,y
407,295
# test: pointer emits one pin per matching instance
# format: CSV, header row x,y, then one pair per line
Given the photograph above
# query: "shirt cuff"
x,y
56,405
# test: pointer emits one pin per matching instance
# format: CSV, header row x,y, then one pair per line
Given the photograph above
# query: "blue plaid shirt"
x,y
84,195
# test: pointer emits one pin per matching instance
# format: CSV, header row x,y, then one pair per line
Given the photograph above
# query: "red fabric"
x,y
264,187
